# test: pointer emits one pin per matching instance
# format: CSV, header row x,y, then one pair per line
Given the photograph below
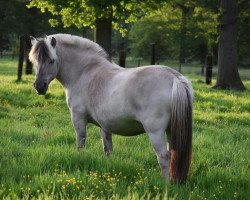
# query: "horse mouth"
x,y
42,91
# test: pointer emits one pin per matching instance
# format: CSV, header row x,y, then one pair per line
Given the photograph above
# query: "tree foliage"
x,y
152,29
85,13
163,27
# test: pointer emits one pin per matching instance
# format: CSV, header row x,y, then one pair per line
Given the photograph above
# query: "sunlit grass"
x,y
38,158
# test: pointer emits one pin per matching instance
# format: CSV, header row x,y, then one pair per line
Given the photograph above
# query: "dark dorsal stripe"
x,y
42,51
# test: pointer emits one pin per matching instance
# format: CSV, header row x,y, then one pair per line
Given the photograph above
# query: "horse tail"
x,y
180,129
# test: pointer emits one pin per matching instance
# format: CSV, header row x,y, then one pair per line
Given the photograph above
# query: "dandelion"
x,y
235,194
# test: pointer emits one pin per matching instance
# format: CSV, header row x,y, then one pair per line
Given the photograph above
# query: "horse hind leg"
x,y
106,141
158,141
155,126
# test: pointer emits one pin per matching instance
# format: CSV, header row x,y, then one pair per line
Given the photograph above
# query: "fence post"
x,y
21,57
28,63
122,55
202,69
208,65
122,58
153,54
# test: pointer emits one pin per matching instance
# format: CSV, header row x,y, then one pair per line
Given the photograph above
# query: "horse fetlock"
x,y
80,149
108,153
81,142
107,150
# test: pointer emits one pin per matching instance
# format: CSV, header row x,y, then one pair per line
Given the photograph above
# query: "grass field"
x,y
38,158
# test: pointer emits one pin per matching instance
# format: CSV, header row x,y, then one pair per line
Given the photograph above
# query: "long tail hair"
x,y
180,129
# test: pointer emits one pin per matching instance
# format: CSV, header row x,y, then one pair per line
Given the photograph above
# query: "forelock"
x,y
39,52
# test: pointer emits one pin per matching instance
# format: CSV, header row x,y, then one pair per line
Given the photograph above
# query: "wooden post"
x,y
202,54
21,58
179,67
122,58
202,70
153,54
209,65
27,49
139,62
122,55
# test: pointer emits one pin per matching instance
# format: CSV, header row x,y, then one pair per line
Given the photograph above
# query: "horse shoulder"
x,y
75,102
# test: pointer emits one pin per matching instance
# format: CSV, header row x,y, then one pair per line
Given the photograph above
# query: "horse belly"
x,y
125,128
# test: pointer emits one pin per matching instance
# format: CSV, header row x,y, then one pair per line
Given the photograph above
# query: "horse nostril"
x,y
44,84
34,84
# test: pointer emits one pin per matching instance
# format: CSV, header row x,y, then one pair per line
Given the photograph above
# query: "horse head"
x,y
43,56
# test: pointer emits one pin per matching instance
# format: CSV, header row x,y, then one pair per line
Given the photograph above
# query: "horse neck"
x,y
74,64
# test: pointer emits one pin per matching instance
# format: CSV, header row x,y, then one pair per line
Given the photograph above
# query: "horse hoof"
x,y
108,153
80,149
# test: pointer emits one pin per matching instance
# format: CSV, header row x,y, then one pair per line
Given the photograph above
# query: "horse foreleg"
x,y
106,141
158,141
80,129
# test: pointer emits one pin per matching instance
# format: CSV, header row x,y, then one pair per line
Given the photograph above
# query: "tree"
x,y
152,29
99,14
243,32
164,27
228,75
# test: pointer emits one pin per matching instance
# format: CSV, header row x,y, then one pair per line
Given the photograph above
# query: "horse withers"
x,y
151,99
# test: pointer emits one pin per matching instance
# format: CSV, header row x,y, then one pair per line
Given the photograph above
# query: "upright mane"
x,y
42,50
80,42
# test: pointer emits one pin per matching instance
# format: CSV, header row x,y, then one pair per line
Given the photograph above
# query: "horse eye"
x,y
52,61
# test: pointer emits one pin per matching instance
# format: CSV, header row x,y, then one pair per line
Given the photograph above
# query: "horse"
x,y
125,101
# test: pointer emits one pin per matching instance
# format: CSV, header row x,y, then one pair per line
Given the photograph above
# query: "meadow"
x,y
39,160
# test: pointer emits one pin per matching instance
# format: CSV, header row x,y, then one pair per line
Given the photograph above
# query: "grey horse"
x,y
150,99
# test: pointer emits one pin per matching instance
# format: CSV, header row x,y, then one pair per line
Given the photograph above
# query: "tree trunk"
x,y
215,54
103,34
27,49
228,75
183,33
21,58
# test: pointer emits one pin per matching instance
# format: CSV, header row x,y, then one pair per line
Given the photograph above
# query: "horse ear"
x,y
33,40
53,42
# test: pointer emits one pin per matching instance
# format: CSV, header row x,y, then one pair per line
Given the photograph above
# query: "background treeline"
x,y
181,30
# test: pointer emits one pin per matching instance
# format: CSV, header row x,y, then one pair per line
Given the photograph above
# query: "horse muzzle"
x,y
41,87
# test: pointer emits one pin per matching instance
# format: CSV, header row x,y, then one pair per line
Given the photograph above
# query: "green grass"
x,y
38,158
